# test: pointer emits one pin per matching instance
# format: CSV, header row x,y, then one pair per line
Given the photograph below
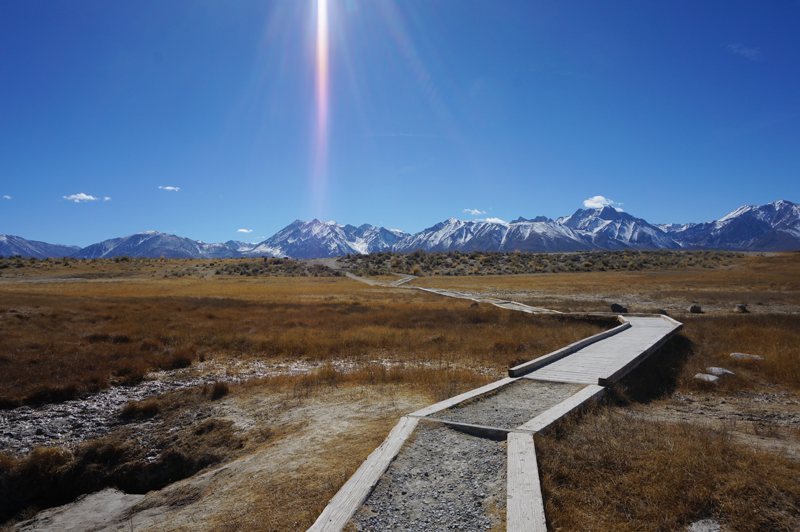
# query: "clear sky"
x,y
201,118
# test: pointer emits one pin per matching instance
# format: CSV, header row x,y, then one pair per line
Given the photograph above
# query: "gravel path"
x,y
441,480
510,406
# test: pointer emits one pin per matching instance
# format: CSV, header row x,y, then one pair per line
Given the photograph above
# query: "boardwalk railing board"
x,y
356,490
545,420
527,367
525,506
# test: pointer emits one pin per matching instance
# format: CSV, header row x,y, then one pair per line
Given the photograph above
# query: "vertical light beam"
x,y
321,152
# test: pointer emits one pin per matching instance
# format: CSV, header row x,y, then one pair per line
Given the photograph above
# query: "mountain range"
x,y
771,227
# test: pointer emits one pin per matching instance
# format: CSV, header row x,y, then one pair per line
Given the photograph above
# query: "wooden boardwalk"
x,y
596,361
608,360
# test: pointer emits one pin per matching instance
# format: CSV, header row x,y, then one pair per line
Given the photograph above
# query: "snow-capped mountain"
x,y
155,244
771,227
240,246
610,229
305,240
13,245
463,235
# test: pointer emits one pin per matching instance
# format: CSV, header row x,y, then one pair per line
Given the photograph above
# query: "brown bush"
x,y
141,409
220,389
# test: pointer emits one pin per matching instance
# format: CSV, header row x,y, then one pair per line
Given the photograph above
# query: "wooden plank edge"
x,y
548,418
527,367
525,504
585,381
631,365
672,321
358,487
447,403
494,433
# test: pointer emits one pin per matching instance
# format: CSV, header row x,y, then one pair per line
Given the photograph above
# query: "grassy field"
x,y
763,284
625,466
62,340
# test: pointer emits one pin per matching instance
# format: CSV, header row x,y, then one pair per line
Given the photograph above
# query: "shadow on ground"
x,y
656,377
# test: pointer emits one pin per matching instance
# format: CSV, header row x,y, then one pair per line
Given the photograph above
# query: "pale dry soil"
x,y
72,422
317,438
766,420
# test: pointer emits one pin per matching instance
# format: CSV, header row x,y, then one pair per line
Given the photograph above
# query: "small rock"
x,y
710,379
745,356
695,309
474,305
720,372
615,307
704,525
661,311
741,309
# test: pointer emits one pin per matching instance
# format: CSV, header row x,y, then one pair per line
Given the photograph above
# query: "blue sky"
x,y
199,118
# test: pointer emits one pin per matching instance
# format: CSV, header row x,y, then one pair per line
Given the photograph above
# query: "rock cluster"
x,y
714,375
72,422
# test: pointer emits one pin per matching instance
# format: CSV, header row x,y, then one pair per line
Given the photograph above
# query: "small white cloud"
x,y
491,220
174,189
77,198
244,230
6,197
598,202
106,199
474,212
749,53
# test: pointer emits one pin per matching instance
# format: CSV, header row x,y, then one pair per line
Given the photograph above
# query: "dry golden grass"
x,y
607,472
611,471
60,340
754,281
776,338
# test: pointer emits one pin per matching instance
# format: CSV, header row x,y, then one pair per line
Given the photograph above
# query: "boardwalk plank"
x,y
525,509
546,419
356,490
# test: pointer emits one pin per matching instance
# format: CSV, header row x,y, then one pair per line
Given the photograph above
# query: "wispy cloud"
x,y
174,189
492,220
244,230
474,212
106,199
6,197
81,197
744,51
598,202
